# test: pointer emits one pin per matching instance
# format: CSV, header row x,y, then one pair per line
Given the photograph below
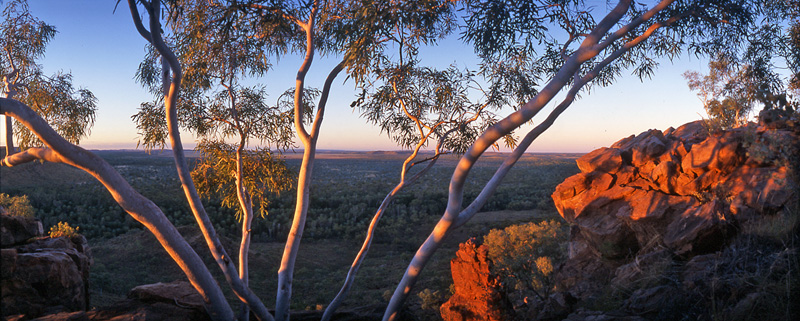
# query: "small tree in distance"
x,y
727,94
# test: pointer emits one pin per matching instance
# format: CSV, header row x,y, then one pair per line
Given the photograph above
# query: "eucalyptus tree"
x,y
415,106
572,47
24,41
739,79
726,92
150,122
216,107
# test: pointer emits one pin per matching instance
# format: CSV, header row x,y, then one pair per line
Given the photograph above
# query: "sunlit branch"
x,y
619,33
299,106
286,270
589,47
405,110
137,20
323,99
628,45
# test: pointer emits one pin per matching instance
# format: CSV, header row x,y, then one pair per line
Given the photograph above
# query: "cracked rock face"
x,y
683,189
478,293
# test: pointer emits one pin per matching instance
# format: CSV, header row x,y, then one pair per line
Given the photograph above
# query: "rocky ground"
x,y
42,275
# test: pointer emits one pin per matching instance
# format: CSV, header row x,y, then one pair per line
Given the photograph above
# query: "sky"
x,y
102,51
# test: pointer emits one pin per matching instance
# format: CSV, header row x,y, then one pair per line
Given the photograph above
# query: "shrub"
x,y
771,147
430,300
63,229
525,256
17,205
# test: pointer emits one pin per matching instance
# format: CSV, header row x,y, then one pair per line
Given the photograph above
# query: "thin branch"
x,y
351,274
290,17
137,20
634,23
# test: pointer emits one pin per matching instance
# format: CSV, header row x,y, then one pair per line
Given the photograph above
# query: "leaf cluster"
x,y
24,40
264,175
17,205
71,112
369,31
532,39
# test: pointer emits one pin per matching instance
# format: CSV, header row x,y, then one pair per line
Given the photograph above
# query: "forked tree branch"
x,y
286,270
299,107
351,274
636,22
244,293
497,178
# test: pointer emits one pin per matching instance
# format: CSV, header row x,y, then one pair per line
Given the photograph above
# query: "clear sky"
x,y
103,50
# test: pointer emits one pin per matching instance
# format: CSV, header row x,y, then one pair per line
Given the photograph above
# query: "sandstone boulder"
x,y
686,190
180,293
18,229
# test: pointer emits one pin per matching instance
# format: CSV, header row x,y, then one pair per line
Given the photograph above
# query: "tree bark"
x,y
9,136
246,204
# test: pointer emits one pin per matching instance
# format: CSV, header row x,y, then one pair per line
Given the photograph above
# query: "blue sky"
x,y
103,50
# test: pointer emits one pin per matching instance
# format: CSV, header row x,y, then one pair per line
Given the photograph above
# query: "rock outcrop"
x,y
669,206
42,275
17,229
478,295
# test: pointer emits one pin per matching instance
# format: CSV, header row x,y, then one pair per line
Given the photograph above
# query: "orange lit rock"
x,y
700,230
677,195
679,188
605,159
478,294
